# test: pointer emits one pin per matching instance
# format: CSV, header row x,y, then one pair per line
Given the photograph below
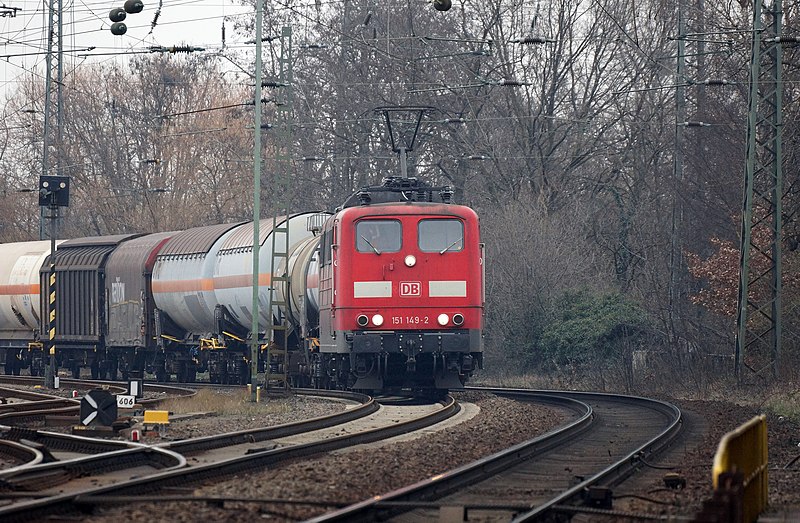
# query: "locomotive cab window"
x,y
378,236
441,236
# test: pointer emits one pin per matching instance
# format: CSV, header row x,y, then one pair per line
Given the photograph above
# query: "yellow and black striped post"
x,y
51,293
49,359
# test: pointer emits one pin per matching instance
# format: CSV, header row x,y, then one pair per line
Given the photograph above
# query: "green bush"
x,y
593,328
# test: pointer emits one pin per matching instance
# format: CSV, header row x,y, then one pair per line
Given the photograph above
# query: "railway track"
x,y
569,470
562,471
230,454
111,461
39,407
93,461
19,454
18,405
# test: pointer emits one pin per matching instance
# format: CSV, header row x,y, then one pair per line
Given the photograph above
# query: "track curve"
x,y
556,471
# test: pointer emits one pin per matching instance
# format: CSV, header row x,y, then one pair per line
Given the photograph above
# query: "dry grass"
x,y
784,402
520,381
234,402
782,399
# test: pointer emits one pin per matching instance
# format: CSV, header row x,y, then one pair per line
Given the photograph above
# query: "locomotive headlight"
x,y
411,260
458,319
443,319
362,320
377,320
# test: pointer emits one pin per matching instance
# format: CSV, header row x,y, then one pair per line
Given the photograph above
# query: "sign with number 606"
x,y
125,401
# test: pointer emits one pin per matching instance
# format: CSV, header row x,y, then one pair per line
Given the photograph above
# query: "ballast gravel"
x,y
348,477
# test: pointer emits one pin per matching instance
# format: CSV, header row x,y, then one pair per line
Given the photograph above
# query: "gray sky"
x,y
86,24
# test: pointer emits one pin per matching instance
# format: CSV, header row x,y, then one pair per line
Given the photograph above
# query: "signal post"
x,y
53,193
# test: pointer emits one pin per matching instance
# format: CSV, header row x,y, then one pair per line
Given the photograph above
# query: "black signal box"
x,y
54,191
98,407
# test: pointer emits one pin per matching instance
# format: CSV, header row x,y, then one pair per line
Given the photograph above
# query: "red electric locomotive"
x,y
401,291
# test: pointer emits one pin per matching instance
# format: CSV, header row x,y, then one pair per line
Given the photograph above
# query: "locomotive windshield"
x,y
441,235
378,236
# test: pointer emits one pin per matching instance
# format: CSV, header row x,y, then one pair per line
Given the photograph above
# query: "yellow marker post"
x,y
156,417
744,450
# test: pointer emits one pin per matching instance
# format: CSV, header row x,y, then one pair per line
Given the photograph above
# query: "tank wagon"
x,y
20,265
202,288
183,290
385,294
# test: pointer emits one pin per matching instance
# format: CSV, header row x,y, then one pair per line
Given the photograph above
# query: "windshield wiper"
x,y
370,244
449,246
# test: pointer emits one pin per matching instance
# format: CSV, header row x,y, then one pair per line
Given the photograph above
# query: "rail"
x,y
417,495
401,500
624,467
37,509
45,406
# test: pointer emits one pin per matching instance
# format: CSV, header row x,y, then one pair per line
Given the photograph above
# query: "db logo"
x,y
410,288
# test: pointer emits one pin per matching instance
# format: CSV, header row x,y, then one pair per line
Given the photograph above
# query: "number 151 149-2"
x,y
410,320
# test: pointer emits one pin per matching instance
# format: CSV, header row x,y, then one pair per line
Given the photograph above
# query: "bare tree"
x,y
156,147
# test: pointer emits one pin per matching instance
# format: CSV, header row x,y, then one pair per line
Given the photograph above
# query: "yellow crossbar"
x,y
160,417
